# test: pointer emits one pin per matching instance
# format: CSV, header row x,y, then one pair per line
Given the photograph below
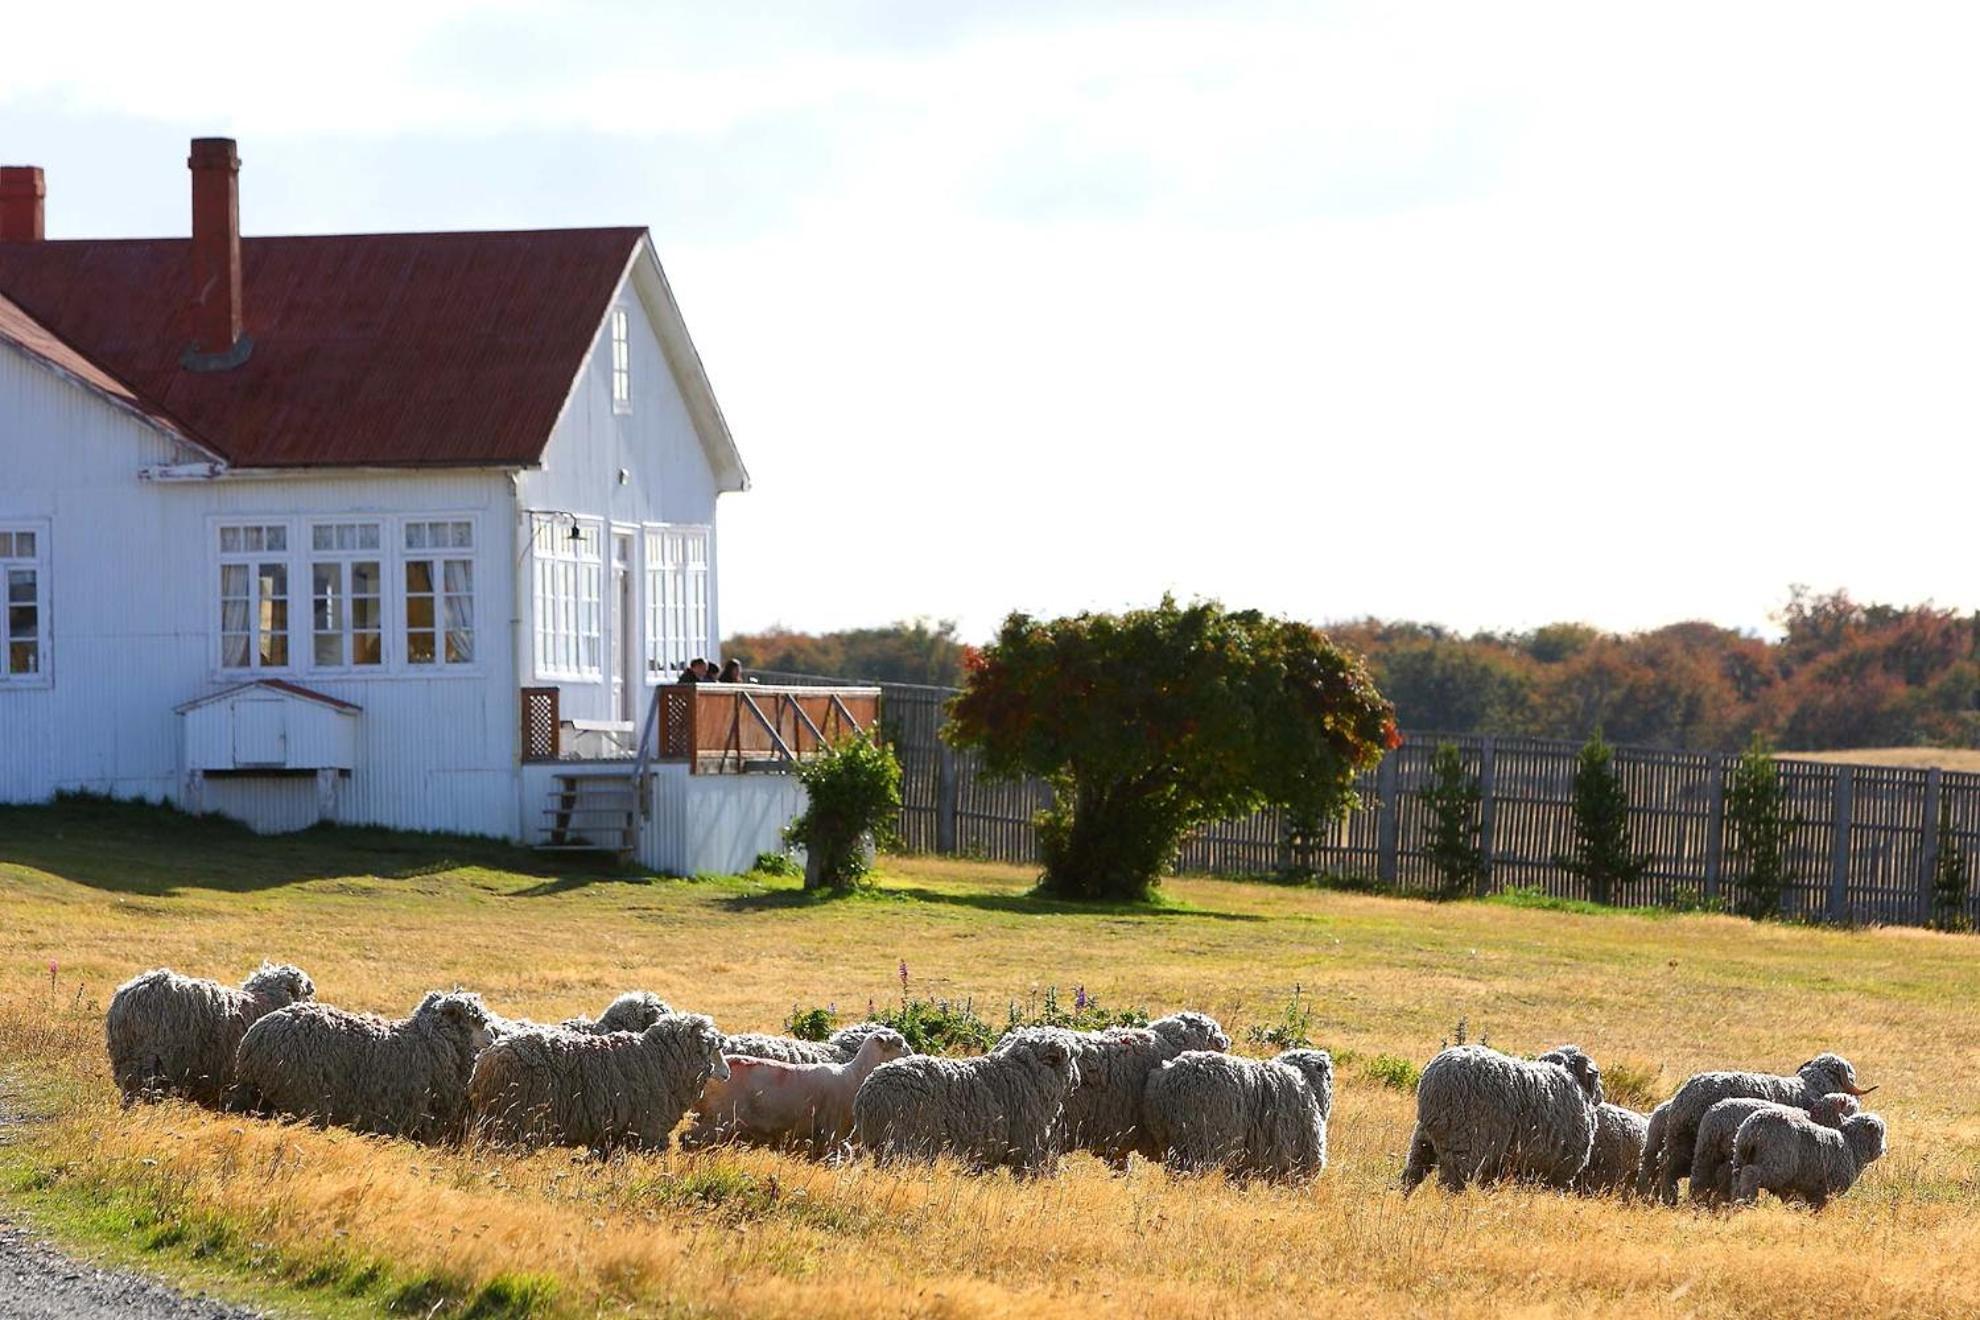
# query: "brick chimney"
x,y
218,342
21,191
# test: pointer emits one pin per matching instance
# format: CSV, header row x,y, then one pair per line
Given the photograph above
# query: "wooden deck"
x,y
731,728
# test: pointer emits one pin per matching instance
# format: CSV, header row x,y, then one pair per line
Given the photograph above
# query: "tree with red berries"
x,y
1151,723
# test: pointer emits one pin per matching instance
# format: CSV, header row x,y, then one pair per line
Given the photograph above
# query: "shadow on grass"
x,y
1022,904
158,851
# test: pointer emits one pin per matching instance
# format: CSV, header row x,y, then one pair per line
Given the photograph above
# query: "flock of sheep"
x,y
1169,1092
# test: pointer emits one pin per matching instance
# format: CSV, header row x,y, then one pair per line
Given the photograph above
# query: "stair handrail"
x,y
642,759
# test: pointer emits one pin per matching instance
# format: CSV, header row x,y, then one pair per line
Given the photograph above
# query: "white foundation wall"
x,y
131,607
716,824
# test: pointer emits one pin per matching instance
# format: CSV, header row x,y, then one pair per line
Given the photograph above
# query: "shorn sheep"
x,y
405,1078
1664,1164
1104,1112
1616,1156
602,1092
1006,1108
1711,1160
172,1034
1484,1115
1252,1118
1786,1152
839,1047
804,1106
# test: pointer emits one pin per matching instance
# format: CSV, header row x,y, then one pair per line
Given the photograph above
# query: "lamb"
x,y
1485,1115
603,1092
1617,1154
1253,1118
1663,1166
1104,1113
1006,1108
405,1078
840,1047
1797,1159
635,1010
172,1034
1711,1162
805,1106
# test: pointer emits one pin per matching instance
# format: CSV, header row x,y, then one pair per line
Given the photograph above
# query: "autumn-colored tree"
x,y
1150,723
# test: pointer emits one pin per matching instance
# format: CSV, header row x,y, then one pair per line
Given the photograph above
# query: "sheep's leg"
x,y
1704,1178
1422,1158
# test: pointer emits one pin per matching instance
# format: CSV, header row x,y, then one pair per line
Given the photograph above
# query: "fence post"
x,y
1715,831
1928,851
947,800
1488,779
1839,845
1388,832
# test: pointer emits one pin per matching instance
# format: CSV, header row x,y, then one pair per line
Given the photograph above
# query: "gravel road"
x,y
37,1282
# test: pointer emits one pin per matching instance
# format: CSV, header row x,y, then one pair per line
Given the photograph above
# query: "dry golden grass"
x,y
1964,759
314,1215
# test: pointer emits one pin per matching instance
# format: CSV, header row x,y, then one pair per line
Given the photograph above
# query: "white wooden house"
x,y
404,529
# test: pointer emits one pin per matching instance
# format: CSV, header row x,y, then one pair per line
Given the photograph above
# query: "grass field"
x,y
1964,759
329,1223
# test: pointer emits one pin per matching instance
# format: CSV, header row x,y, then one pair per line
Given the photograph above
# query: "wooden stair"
x,y
592,813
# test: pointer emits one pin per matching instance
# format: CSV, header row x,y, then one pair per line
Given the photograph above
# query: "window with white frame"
x,y
439,597
24,584
567,578
254,596
346,591
621,362
676,598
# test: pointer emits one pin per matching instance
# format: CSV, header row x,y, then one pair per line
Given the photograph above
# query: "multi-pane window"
x,y
567,578
621,362
254,596
23,585
676,598
439,582
346,586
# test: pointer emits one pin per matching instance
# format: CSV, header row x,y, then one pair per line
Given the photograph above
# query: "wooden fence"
x,y
1862,848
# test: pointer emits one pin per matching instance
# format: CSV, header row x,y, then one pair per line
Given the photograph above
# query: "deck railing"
x,y
729,728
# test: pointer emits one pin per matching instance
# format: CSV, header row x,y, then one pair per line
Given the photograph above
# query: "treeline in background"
x,y
1843,674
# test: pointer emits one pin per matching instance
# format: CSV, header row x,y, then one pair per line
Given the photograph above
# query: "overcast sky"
x,y
1491,314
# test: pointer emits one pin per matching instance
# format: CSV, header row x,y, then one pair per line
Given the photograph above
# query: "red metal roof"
x,y
369,349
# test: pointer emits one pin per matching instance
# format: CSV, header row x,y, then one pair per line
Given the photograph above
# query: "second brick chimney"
x,y
218,341
21,191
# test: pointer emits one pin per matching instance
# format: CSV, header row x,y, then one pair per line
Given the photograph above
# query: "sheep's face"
x,y
1832,1109
1579,1066
1832,1072
704,1037
1051,1051
881,1047
1865,1135
856,1035
464,1016
635,1010
1192,1031
280,983
1317,1066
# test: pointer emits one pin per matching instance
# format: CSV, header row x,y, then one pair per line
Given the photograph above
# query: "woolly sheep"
x,y
1006,1108
1104,1112
1820,1076
765,1102
1617,1154
1786,1152
635,1010
1486,1115
172,1034
1263,1118
575,1088
405,1078
1653,1139
1711,1161
840,1047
